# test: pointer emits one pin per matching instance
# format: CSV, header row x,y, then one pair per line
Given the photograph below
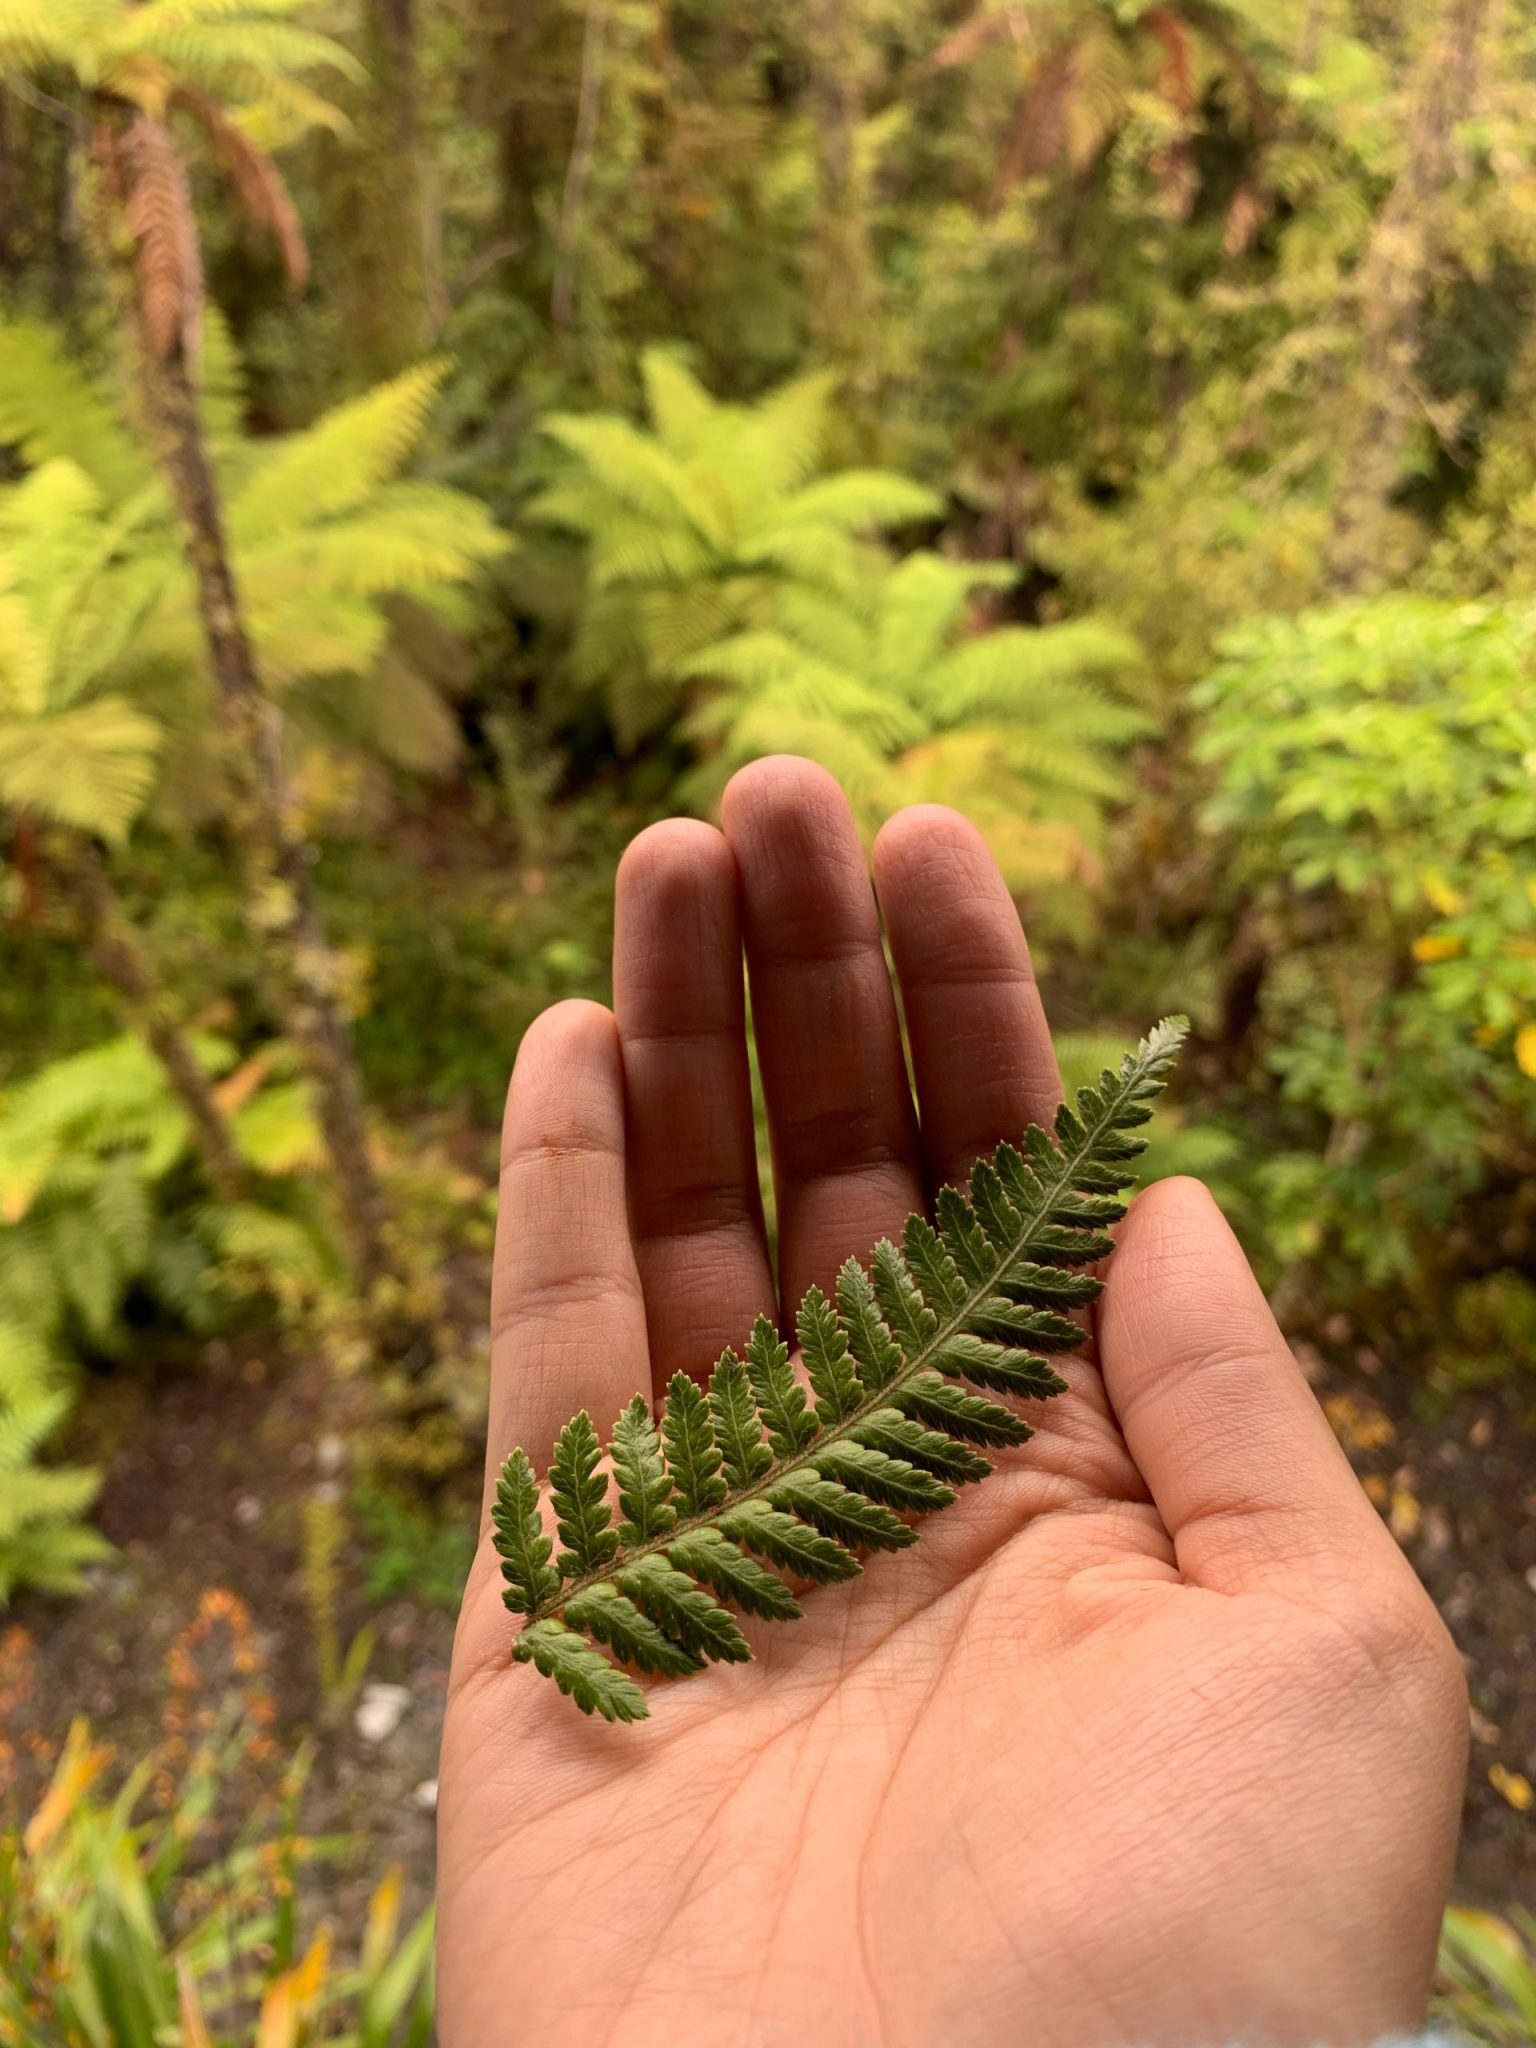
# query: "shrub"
x,y
1374,805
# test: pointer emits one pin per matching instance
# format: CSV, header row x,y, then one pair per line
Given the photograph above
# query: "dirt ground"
x,y
208,1474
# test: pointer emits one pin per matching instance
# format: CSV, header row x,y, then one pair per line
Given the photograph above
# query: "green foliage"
x,y
43,1540
412,1549
125,1922
728,582
896,683
752,1470
1488,1969
1373,794
102,663
93,1210
248,53
692,527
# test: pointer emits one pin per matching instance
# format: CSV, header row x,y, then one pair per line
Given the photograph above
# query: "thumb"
x,y
1242,1464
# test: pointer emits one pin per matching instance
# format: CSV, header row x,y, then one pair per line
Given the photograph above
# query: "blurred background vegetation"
x,y
438,436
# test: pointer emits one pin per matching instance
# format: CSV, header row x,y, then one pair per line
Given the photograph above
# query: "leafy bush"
x,y
1374,797
102,1223
94,1208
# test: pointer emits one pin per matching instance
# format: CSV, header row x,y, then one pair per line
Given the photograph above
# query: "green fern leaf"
x,y
744,1455
610,1616
580,1495
693,1455
643,1479
582,1672
753,1474
519,1538
688,1614
829,1364
787,1418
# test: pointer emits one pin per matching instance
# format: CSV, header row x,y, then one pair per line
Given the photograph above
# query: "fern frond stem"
x,y
949,1326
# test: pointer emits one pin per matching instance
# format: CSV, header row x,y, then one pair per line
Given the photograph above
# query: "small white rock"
x,y
247,1511
380,1711
330,1453
425,1795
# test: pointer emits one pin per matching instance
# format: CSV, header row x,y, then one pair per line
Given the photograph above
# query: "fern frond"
x,y
636,472
51,409
92,767
36,32
41,1540
860,501
753,1473
684,413
334,465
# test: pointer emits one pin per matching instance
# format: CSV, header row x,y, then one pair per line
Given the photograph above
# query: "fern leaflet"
x,y
752,1476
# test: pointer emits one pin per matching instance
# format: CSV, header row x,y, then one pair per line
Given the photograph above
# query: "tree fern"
x,y
103,681
765,1473
693,527
1019,726
732,586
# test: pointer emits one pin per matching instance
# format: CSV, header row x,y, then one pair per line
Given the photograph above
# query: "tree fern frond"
x,y
754,1473
635,550
34,32
636,472
405,539
823,555
783,438
92,767
859,501
334,465
50,408
923,603
682,411
1018,668
41,1540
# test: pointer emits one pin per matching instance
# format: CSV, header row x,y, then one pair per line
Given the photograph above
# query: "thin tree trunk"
x,y
118,955
1393,281
589,103
377,201
276,860
840,284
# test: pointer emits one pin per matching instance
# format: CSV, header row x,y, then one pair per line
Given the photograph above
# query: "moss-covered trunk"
x,y
118,955
275,860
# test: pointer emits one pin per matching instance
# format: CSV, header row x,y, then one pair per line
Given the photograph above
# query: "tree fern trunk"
x,y
275,860
840,284
118,955
373,197
1392,284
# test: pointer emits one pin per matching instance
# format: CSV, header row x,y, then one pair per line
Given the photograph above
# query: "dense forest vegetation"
x,y
437,436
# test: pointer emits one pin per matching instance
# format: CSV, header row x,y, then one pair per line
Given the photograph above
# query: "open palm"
x,y
1152,1739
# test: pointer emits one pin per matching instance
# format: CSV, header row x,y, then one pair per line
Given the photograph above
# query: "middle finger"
x,y
846,1161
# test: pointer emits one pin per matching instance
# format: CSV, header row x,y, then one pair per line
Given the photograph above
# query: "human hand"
x,y
1154,1738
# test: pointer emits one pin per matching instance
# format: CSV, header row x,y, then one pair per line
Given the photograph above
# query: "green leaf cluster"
x,y
763,1479
1372,772
104,694
731,582
44,1541
92,1206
